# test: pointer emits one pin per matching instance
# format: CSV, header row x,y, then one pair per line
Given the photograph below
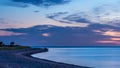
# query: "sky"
x,y
60,22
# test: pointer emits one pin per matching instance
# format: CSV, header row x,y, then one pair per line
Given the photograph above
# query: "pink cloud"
x,y
8,33
108,32
113,39
46,34
109,42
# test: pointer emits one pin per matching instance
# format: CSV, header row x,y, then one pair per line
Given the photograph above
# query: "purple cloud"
x,y
9,33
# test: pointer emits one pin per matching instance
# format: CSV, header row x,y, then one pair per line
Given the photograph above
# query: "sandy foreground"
x,y
22,59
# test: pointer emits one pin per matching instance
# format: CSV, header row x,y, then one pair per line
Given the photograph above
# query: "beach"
x,y
22,58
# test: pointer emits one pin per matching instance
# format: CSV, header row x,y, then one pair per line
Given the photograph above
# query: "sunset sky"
x,y
60,22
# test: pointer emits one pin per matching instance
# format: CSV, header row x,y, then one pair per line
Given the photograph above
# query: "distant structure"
x,y
1,44
12,44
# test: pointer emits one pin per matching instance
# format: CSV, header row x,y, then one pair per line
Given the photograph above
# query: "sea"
x,y
97,57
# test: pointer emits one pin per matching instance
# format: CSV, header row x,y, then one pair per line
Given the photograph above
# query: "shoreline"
x,y
22,58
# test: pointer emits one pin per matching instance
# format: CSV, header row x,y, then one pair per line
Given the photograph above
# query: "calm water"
x,y
92,57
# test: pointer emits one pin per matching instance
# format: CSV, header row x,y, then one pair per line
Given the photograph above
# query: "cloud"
x,y
8,23
54,15
64,17
40,2
67,36
16,4
58,17
46,34
36,11
8,33
109,32
81,18
113,36
115,39
109,42
109,18
108,14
